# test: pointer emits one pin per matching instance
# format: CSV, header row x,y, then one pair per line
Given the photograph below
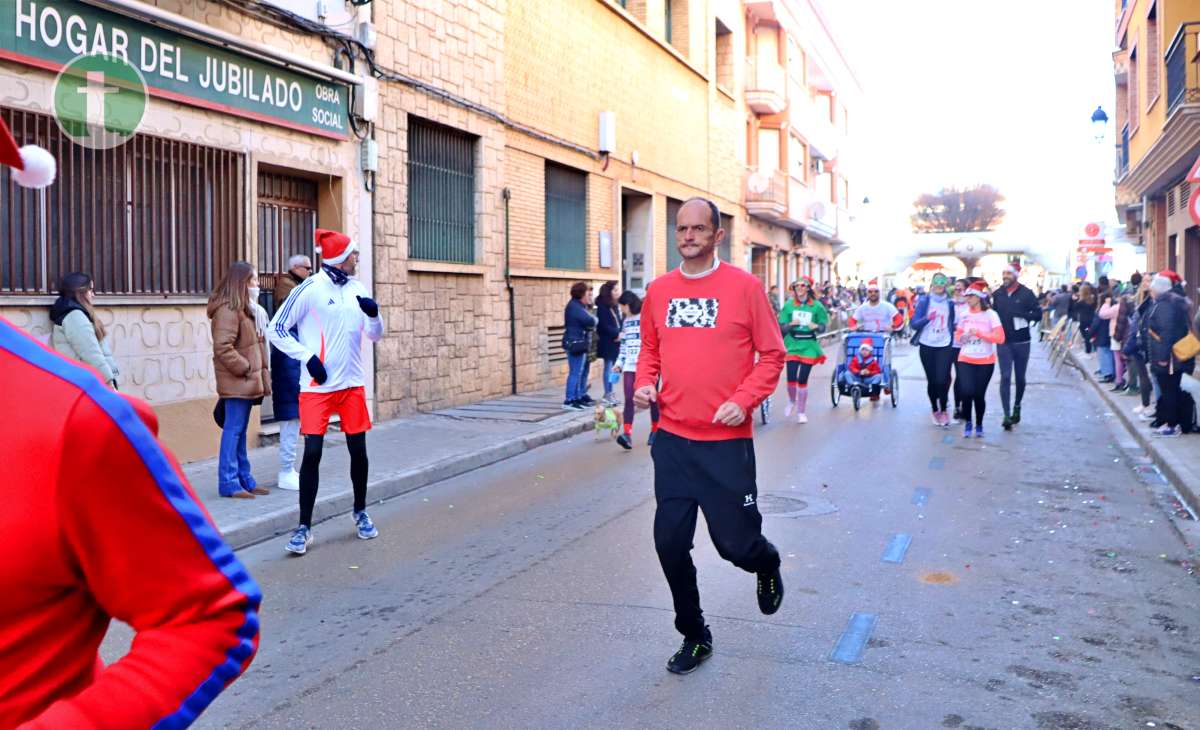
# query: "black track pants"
x,y
1012,357
719,478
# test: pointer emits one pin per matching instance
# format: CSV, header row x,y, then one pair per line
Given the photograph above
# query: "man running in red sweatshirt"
x,y
702,326
104,525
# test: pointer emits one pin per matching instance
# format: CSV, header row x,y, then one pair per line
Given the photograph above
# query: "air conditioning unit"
x,y
819,165
608,132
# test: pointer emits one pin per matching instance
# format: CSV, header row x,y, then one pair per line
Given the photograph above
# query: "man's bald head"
x,y
710,207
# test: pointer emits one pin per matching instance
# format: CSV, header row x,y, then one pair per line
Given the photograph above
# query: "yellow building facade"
x,y
1157,69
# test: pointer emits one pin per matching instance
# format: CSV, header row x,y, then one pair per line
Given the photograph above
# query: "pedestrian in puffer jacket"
x,y
1166,323
78,332
240,364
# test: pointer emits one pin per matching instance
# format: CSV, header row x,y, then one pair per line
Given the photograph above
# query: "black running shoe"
x,y
1016,416
691,655
624,442
1007,423
770,592
586,401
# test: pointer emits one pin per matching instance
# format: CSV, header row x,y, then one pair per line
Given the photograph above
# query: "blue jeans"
x,y
1108,365
608,384
577,372
233,466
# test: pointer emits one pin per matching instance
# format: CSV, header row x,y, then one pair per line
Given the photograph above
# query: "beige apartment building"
x,y
1157,74
800,93
486,154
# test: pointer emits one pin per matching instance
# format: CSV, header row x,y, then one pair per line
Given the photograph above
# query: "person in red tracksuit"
x,y
702,326
100,523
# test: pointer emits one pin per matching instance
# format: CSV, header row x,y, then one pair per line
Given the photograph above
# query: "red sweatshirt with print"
x,y
712,339
99,523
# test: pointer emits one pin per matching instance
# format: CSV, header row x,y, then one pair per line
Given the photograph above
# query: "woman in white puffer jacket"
x,y
78,332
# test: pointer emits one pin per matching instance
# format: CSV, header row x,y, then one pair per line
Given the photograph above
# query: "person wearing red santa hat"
x,y
105,526
330,311
1018,309
979,331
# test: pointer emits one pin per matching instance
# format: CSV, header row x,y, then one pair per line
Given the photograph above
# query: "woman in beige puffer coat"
x,y
243,380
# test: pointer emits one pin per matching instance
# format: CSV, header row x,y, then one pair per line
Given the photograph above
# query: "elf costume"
x,y
801,322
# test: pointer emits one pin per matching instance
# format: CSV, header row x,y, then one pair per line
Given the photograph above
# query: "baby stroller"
x,y
841,386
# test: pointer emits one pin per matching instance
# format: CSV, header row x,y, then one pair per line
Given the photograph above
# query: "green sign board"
x,y
50,34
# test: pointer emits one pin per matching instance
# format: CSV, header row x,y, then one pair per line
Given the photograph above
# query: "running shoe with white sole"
x,y
301,538
366,528
801,418
289,480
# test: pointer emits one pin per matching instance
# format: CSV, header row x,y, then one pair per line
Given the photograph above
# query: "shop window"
x,y
152,216
441,193
566,218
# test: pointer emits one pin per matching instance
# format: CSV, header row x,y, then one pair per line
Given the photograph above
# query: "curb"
x,y
263,527
1171,466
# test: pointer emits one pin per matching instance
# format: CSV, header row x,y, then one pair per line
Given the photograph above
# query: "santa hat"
x,y
1013,268
803,280
1175,278
334,247
873,284
32,166
866,343
978,289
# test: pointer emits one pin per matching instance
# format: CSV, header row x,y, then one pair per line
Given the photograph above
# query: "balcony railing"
x,y
767,193
1183,67
765,86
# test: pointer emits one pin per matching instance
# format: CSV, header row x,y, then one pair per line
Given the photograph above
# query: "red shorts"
x,y
350,405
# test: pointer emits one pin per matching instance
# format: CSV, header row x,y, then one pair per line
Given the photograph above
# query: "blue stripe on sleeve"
x,y
160,469
282,315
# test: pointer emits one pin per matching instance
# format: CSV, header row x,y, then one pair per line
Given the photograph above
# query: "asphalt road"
x,y
1044,587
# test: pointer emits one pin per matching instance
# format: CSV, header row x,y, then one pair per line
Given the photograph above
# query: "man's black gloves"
x,y
317,370
368,306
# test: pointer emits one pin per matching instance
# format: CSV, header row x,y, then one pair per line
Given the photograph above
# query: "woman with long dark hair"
x,y
78,333
608,333
979,331
240,364
1084,312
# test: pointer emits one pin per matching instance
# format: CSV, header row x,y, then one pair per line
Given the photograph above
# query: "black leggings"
x,y
958,399
1012,356
937,362
310,472
798,372
974,379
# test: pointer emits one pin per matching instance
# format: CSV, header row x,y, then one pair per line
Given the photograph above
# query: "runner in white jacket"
x,y
331,312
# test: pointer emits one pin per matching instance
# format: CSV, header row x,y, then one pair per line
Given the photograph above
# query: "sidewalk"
x,y
1178,458
406,454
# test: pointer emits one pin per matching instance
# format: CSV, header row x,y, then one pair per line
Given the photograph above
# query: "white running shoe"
x,y
1137,409
789,409
289,480
1147,415
801,418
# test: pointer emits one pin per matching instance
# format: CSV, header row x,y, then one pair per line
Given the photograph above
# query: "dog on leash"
x,y
606,420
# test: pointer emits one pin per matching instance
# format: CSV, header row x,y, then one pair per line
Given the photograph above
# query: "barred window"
x,y
153,216
441,193
566,218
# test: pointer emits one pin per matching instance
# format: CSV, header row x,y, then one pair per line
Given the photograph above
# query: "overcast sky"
x,y
966,91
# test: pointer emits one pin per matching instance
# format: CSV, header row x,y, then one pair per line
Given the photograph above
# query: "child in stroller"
x,y
864,371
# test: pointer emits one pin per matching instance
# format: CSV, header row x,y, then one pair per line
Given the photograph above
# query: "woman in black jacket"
x,y
608,333
1166,323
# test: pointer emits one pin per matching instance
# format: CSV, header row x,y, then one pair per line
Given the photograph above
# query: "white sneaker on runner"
x,y
789,409
801,418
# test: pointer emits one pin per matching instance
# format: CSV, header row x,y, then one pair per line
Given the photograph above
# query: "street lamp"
x,y
1099,124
